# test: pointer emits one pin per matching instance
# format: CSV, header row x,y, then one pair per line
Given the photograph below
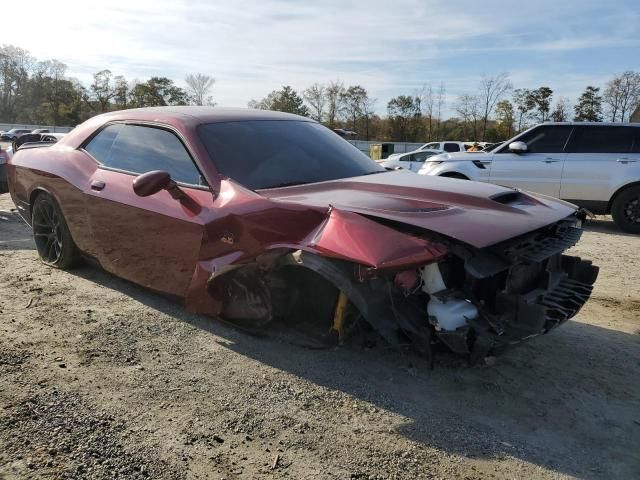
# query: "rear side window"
x,y
451,147
100,145
636,140
549,139
140,149
422,156
596,139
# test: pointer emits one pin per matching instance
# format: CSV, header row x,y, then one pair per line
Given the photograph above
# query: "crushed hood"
x,y
475,213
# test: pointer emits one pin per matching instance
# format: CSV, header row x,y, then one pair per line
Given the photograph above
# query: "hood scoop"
x,y
512,197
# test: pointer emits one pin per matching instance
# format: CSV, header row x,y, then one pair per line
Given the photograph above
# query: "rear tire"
x,y
53,239
626,210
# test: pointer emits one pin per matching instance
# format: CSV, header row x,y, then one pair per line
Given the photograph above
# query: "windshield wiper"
x,y
285,184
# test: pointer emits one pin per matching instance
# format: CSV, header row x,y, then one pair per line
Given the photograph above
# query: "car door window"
x,y
421,157
601,139
546,139
140,149
433,146
451,147
405,158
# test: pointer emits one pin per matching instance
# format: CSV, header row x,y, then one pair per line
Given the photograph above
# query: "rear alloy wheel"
x,y
626,210
51,234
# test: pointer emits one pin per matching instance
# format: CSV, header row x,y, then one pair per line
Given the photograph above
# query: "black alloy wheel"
x,y
51,234
626,210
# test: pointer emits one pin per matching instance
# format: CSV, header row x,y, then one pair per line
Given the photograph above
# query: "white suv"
x,y
594,165
409,161
450,146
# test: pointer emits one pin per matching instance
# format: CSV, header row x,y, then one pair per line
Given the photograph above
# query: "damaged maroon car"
x,y
254,216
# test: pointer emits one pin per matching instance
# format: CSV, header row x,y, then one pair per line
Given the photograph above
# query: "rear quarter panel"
x,y
63,173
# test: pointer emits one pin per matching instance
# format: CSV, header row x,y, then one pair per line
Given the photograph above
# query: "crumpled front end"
x,y
513,291
405,282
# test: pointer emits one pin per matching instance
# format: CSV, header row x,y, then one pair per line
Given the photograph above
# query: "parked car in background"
x,y
345,133
255,216
594,165
4,158
446,146
412,161
13,134
52,137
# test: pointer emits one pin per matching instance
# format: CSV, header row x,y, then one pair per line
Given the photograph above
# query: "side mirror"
x,y
518,147
151,183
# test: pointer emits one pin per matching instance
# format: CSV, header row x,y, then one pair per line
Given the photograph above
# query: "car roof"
x,y
597,124
201,114
427,150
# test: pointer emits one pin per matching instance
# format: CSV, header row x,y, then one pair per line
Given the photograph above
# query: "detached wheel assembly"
x,y
51,234
626,210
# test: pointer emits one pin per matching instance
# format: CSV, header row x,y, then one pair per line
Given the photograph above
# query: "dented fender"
x,y
341,235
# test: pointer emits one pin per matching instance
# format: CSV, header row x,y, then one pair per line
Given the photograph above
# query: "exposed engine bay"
x,y
474,301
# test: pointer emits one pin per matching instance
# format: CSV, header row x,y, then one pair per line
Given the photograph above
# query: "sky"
x,y
252,47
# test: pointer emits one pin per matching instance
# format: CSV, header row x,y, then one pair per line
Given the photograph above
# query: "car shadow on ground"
x,y
604,224
546,402
541,402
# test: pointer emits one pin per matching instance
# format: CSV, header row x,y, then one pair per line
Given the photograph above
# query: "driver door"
x,y
153,241
539,169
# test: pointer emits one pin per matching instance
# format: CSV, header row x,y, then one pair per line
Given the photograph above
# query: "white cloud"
x,y
253,46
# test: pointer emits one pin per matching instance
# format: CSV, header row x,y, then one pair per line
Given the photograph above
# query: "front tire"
x,y
51,234
626,210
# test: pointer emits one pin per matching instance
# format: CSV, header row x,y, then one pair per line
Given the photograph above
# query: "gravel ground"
x,y
102,379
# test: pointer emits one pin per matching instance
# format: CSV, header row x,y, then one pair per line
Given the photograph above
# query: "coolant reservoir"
x,y
451,314
448,314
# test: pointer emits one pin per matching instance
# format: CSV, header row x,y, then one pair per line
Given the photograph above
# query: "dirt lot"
x,y
102,379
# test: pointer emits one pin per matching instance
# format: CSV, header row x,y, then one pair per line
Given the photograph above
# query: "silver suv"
x,y
594,165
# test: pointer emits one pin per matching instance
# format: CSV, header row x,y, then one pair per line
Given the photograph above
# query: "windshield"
x,y
275,153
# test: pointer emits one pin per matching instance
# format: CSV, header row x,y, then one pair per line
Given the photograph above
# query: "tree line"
x,y
494,112
40,92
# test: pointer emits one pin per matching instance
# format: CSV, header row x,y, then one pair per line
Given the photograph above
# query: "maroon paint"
x,y
178,246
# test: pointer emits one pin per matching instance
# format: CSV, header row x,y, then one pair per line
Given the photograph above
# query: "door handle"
x,y
625,160
550,160
97,185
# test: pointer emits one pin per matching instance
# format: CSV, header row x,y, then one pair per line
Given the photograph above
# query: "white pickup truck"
x,y
594,165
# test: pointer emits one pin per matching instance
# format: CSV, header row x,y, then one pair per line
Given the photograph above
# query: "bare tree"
x,y
198,86
334,93
103,89
316,97
470,109
121,91
562,110
368,105
15,66
440,101
621,95
427,102
492,89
